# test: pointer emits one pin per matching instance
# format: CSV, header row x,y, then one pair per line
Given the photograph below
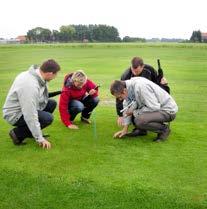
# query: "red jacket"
x,y
70,92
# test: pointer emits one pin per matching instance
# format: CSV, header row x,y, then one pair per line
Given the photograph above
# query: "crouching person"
x,y
79,95
152,106
27,106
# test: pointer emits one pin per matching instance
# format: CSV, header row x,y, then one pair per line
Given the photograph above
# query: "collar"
x,y
39,74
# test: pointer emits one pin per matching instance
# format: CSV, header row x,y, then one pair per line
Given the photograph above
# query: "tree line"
x,y
93,33
73,33
79,33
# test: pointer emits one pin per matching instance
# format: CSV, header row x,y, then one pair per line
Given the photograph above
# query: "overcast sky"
x,y
146,18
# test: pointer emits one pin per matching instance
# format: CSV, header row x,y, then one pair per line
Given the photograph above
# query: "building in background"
x,y
204,37
21,39
17,40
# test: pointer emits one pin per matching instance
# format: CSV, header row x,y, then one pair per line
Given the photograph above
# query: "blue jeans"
x,y
84,106
45,119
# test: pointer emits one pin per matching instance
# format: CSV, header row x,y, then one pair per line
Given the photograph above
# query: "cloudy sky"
x,y
136,18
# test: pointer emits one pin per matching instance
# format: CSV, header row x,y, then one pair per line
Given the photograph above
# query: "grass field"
x,y
87,171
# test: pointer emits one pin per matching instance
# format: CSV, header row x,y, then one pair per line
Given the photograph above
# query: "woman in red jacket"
x,y
79,94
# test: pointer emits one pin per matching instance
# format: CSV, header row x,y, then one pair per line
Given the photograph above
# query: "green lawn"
x,y
88,171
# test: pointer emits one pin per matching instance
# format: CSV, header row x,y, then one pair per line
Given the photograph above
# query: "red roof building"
x,y
204,36
21,39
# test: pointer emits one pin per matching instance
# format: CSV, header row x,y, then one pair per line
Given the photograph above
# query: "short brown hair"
x,y
50,66
136,62
117,87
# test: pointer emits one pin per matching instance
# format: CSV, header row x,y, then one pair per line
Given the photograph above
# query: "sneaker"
x,y
14,138
137,132
85,120
163,135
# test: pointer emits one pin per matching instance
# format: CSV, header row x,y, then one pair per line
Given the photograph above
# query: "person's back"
x,y
138,69
24,89
150,97
147,72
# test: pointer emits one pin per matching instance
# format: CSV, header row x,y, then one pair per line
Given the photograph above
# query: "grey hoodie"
x,y
27,95
148,97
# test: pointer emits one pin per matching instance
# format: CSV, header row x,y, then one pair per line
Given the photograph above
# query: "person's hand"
x,y
163,81
92,92
120,134
120,121
72,126
45,144
128,113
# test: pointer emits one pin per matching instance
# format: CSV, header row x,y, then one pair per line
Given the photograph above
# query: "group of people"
x,y
145,98
140,99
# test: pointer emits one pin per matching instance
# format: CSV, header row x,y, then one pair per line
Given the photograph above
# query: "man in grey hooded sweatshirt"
x,y
150,105
27,105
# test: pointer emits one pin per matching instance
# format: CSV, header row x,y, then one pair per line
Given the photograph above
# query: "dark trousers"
x,y
84,106
153,121
45,119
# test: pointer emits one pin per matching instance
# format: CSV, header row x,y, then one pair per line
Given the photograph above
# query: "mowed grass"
x,y
88,170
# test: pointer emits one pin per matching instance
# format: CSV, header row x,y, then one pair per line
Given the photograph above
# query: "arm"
x,y
121,133
119,104
165,87
63,107
52,94
90,86
119,107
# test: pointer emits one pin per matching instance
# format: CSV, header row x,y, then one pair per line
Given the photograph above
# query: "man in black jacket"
x,y
138,68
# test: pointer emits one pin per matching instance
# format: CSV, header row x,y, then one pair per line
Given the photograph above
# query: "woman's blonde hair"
x,y
79,76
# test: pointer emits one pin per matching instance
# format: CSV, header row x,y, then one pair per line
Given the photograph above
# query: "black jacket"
x,y
148,72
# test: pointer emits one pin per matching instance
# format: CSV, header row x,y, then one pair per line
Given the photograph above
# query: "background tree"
x,y
196,36
67,33
55,36
82,32
39,34
104,33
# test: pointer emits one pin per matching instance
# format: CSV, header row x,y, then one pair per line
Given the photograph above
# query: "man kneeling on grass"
x,y
27,105
150,105
79,95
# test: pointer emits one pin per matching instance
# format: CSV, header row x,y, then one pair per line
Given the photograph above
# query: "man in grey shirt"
x,y
150,105
28,107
